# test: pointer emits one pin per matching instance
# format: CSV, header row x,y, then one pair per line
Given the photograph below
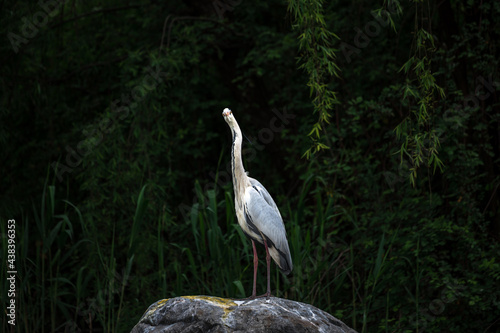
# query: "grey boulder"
x,y
213,315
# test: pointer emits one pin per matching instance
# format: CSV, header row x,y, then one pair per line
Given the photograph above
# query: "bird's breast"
x,y
242,221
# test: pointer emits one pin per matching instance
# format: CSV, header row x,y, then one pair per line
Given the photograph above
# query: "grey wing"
x,y
265,195
264,218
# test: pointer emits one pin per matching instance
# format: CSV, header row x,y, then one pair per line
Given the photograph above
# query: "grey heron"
x,y
256,212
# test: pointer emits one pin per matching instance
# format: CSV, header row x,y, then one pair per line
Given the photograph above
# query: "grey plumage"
x,y
256,211
266,217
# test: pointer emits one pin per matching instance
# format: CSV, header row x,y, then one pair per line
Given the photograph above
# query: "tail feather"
x,y
282,259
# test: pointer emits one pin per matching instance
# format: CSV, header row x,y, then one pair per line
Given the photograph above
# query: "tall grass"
x,y
73,278
69,281
217,260
66,281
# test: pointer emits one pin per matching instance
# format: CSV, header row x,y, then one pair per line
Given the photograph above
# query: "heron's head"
x,y
228,117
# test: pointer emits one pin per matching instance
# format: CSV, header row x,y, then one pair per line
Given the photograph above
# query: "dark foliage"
x,y
374,124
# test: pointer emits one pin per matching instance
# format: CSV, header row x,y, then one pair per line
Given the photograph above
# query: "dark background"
x,y
377,135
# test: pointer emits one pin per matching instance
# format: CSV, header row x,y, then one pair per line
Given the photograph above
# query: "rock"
x,y
213,315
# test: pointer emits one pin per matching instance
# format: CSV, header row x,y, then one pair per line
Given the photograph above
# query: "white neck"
x,y
240,178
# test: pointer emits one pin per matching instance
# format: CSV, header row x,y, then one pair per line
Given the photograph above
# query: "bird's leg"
x,y
268,260
255,264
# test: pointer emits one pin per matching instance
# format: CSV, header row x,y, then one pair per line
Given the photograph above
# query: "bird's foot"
x,y
266,295
249,298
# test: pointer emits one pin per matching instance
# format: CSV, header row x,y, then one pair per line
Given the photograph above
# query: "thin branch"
x,y
163,31
491,198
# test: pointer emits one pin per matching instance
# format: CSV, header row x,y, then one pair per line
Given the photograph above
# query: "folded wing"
x,y
264,220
